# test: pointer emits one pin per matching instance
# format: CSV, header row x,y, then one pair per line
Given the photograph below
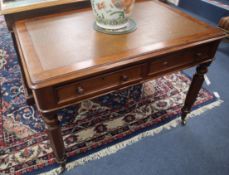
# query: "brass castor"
x,y
183,122
62,165
63,168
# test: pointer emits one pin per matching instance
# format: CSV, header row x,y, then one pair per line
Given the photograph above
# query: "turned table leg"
x,y
194,89
55,137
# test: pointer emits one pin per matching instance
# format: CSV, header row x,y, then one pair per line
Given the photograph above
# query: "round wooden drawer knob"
x,y
165,62
79,90
124,78
199,55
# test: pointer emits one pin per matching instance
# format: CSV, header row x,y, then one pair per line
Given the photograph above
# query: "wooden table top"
x,y
64,46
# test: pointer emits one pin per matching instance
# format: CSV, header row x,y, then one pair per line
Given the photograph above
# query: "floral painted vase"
x,y
112,14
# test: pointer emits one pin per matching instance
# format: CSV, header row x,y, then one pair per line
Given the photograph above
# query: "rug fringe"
x,y
114,148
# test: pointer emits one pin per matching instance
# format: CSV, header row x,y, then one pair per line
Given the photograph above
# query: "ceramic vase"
x,y
112,14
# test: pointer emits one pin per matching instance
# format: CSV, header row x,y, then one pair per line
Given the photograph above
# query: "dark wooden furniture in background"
x,y
65,61
224,23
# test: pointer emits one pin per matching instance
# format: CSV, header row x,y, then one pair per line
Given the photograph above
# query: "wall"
x,y
175,2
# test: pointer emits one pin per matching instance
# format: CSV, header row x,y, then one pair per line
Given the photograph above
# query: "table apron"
x,y
52,98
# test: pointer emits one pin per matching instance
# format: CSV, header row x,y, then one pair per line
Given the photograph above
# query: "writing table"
x,y
65,60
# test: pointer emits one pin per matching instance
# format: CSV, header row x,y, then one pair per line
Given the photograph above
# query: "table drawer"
x,y
179,59
102,83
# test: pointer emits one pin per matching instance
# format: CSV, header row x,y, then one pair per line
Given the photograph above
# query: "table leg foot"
x,y
193,91
184,113
63,166
55,138
183,121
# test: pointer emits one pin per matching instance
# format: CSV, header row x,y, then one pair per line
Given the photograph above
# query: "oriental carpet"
x,y
91,129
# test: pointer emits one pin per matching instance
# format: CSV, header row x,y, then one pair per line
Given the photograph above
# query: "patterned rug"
x,y
91,129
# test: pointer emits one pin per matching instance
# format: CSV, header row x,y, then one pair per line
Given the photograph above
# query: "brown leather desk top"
x,y
61,47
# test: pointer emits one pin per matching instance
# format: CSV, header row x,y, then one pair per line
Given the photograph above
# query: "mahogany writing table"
x,y
65,61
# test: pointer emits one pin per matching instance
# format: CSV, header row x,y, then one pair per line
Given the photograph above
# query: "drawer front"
x,y
99,84
180,59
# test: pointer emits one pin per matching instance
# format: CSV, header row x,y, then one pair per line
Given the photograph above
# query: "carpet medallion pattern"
x,y
24,146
